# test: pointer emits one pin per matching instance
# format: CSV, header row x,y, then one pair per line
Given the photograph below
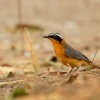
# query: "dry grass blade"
x,y
10,82
29,43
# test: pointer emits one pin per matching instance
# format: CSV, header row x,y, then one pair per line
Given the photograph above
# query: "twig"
x,y
29,43
95,54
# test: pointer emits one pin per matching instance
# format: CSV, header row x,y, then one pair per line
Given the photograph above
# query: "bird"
x,y
66,54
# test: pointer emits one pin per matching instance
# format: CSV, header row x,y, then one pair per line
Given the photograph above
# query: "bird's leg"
x,y
76,68
67,73
72,71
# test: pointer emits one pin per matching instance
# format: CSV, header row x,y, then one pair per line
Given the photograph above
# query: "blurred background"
x,y
78,21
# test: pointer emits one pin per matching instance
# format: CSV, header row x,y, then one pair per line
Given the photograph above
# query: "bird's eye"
x,y
53,36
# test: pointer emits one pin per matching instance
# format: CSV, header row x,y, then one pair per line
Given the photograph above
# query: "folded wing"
x,y
75,54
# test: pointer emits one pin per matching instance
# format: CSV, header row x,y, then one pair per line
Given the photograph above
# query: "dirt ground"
x,y
77,21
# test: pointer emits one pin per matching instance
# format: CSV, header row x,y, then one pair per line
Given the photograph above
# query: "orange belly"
x,y
67,60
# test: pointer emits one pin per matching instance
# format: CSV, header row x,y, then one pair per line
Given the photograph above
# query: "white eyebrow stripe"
x,y
58,35
51,34
55,34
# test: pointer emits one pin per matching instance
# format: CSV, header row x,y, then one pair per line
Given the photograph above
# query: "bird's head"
x,y
54,37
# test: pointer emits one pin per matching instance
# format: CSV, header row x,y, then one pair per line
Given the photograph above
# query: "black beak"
x,y
45,36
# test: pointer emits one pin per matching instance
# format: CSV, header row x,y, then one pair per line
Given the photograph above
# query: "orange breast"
x,y
59,51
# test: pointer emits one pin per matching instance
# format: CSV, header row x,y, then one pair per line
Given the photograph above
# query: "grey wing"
x,y
70,52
